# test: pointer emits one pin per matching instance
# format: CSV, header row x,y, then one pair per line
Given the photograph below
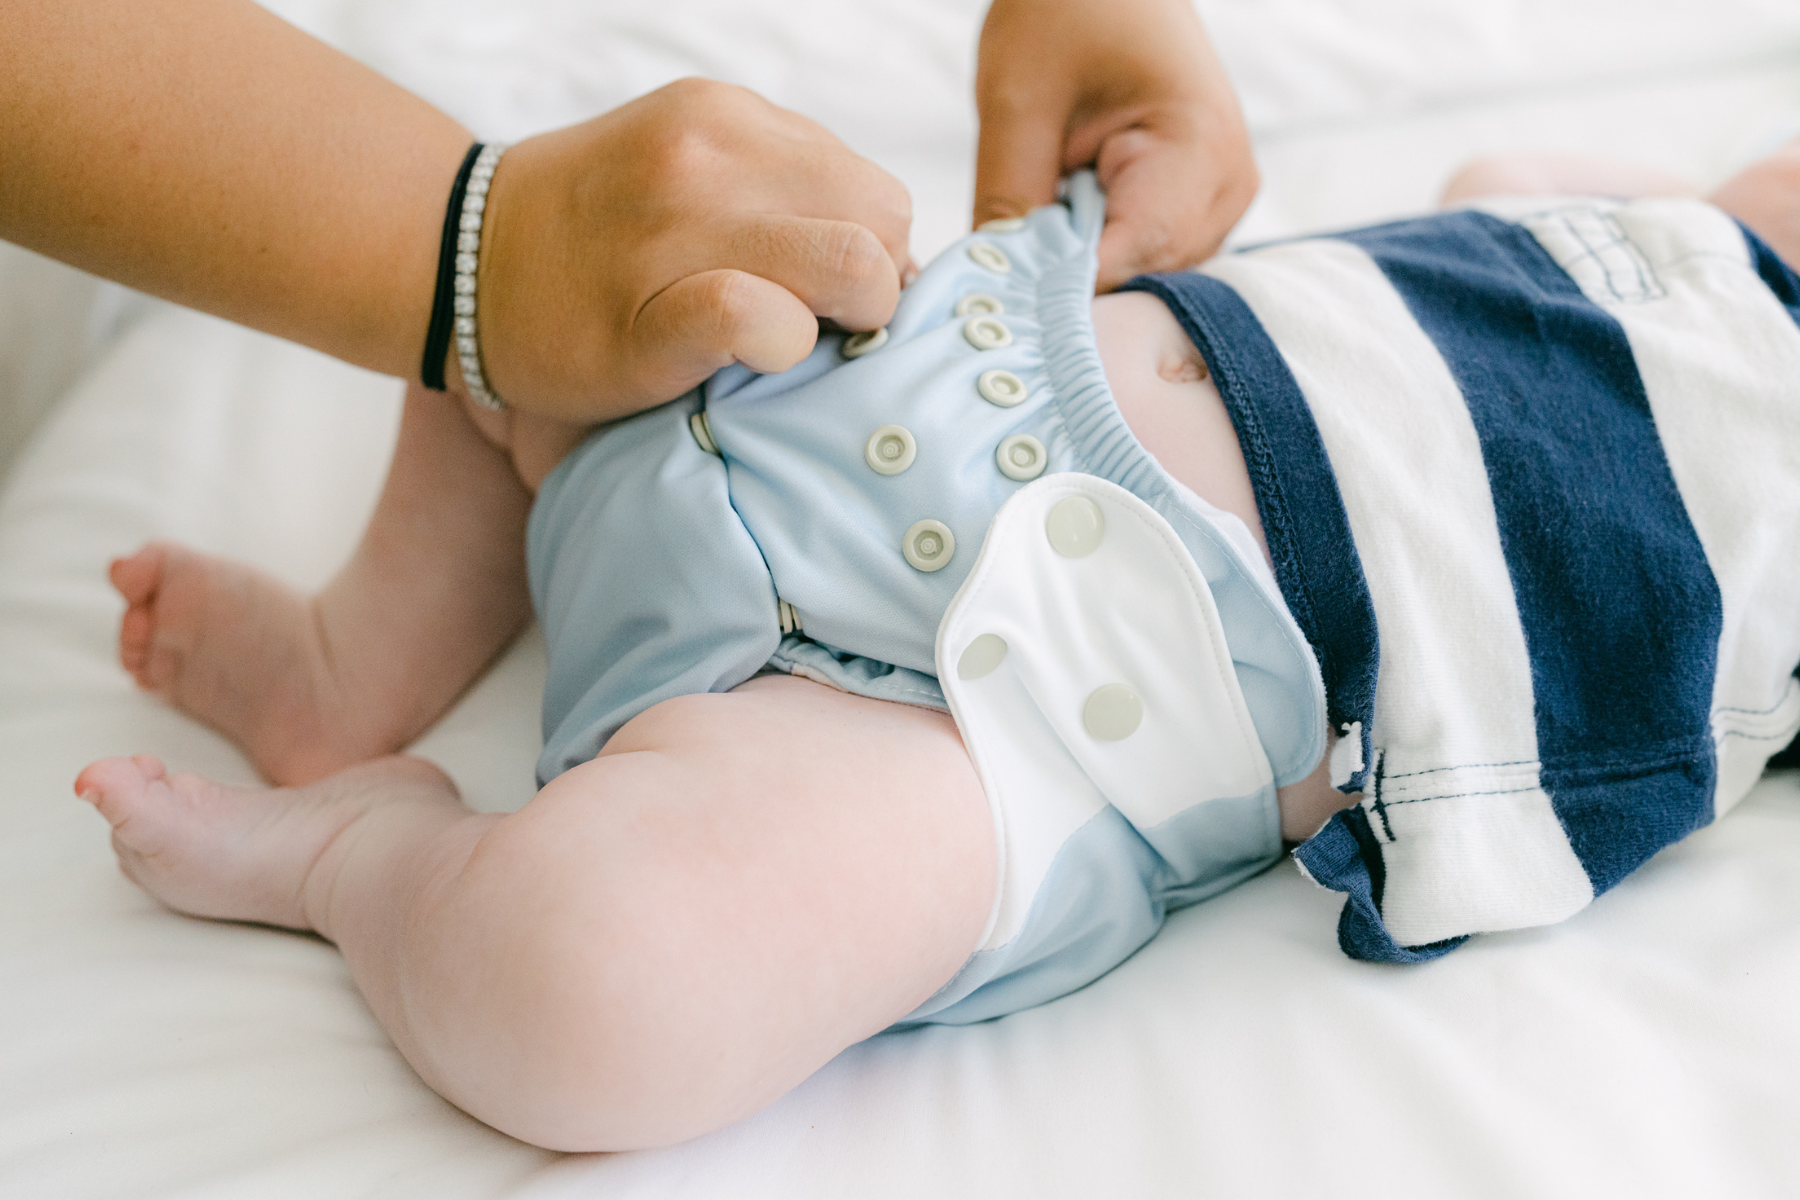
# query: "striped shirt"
x,y
1530,476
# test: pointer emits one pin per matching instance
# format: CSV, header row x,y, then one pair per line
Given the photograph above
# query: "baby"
x,y
919,682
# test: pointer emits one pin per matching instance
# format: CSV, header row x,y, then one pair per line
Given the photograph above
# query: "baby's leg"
x,y
1560,175
1766,197
666,939
306,685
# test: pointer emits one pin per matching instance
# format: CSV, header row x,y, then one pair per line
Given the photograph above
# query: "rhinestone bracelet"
x,y
468,257
453,299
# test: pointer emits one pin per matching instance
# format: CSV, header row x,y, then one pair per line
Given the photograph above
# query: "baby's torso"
x,y
1530,474
1458,469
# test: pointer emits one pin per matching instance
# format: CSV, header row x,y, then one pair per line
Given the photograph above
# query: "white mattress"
x,y
1648,1047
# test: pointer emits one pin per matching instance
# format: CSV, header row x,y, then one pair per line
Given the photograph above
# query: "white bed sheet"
x,y
1645,1048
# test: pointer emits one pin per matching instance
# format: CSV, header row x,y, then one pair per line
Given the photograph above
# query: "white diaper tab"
x,y
1086,664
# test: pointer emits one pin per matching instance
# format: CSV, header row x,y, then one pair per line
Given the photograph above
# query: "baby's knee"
x,y
587,1051
604,1021
1772,179
586,1074
1766,197
1561,175
1494,175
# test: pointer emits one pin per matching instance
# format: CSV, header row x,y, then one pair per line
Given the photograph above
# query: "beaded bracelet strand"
x,y
459,254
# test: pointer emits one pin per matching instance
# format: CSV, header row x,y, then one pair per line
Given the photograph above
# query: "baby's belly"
x,y
1166,394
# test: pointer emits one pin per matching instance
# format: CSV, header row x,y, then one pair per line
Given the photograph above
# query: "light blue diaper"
x,y
821,521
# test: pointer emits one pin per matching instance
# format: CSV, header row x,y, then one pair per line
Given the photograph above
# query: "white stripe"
x,y
1720,362
1454,689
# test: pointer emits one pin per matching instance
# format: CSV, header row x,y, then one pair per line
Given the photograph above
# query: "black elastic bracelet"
x,y
437,333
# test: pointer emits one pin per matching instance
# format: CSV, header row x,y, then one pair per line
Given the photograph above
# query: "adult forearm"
x,y
208,152
205,151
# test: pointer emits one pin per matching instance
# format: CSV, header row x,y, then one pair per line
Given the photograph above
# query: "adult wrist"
x,y
453,334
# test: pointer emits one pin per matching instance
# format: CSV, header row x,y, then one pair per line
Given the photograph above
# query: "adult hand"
x,y
627,258
209,152
1131,88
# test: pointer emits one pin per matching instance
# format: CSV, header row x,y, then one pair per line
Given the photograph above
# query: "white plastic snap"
x,y
976,303
1001,387
790,619
982,656
701,428
1021,457
859,344
987,332
890,449
1002,225
1075,527
1112,713
928,545
990,256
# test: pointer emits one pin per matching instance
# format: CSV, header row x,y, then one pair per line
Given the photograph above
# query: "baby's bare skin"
x,y
670,936
664,940
309,685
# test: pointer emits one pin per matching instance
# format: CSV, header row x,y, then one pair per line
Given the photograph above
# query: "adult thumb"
x,y
707,321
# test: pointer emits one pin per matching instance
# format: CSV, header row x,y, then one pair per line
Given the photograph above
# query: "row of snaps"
x,y
929,545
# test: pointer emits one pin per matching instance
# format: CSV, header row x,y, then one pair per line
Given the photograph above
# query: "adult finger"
x,y
838,269
707,321
701,151
1018,157
1168,204
787,163
836,184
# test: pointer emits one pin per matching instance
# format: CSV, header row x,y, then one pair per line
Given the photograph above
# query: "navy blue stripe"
x,y
1777,274
1297,497
1346,856
1620,610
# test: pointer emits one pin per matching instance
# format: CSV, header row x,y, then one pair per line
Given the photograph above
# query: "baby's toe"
x,y
119,787
137,575
135,630
150,765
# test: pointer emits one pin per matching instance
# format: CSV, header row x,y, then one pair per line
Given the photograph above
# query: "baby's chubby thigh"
x,y
742,885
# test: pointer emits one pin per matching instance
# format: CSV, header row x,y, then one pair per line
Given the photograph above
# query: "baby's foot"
x,y
244,854
244,653
240,854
